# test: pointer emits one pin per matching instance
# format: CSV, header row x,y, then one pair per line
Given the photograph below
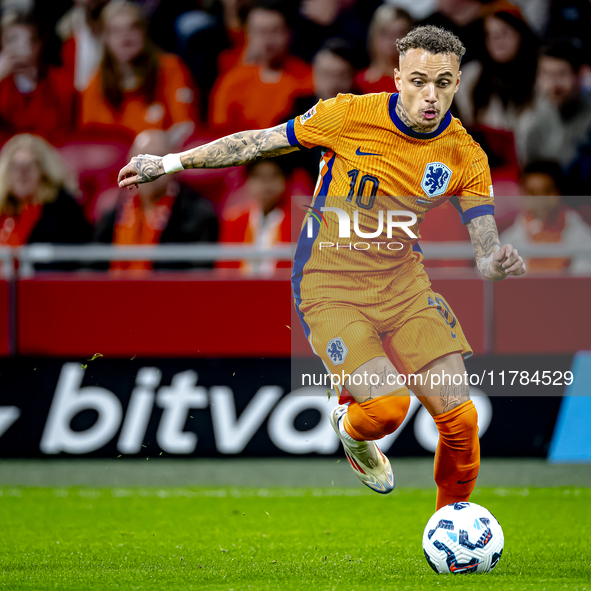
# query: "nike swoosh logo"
x,y
458,569
466,481
360,153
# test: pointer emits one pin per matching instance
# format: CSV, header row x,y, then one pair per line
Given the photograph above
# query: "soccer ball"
x,y
463,538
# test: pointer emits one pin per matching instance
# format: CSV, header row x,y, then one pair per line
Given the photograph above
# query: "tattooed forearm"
x,y
485,242
403,115
232,150
239,148
452,395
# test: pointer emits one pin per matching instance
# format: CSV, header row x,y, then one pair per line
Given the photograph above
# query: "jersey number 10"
x,y
366,178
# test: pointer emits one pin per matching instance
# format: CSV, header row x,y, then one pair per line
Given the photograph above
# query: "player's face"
x,y
427,83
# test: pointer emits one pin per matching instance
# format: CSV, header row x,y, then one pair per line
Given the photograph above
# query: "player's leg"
x,y
380,401
430,342
377,409
348,344
457,459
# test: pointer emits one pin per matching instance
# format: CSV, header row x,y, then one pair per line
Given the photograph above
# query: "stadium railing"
x,y
25,257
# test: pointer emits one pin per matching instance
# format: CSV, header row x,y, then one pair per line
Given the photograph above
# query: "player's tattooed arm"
x,y
232,150
493,261
240,148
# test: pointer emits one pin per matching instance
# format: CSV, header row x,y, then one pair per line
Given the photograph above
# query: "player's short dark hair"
x,y
567,49
340,48
432,39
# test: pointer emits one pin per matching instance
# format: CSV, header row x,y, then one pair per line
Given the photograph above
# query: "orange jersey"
x,y
175,101
241,100
372,164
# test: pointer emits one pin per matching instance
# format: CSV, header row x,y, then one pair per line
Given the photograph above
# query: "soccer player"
x,y
372,312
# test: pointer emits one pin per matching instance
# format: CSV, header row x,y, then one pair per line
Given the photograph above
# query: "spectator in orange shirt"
x,y
137,87
259,212
545,219
261,95
160,212
388,24
34,96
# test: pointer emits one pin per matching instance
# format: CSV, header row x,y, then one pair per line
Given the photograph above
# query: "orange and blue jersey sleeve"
x,y
476,197
321,125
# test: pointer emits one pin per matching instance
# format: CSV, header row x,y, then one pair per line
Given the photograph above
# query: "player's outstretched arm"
x,y
493,261
232,150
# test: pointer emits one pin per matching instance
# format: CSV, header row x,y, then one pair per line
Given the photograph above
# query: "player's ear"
x,y
397,78
458,82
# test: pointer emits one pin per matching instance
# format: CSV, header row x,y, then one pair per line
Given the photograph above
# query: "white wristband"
x,y
172,163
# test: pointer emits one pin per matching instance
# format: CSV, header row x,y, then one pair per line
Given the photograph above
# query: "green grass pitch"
x,y
276,538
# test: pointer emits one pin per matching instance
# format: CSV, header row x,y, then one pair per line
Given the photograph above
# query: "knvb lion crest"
x,y
436,179
337,350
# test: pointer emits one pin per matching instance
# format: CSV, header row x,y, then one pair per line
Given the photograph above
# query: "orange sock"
x,y
374,419
457,459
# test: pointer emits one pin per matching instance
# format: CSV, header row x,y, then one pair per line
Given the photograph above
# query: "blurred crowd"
x,y
86,84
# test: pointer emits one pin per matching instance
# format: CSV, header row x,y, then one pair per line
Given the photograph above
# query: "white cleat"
x,y
370,465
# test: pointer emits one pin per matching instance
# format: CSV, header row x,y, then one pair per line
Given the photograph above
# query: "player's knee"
x,y
380,416
395,409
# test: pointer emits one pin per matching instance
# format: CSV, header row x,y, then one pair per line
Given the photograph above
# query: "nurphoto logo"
x,y
345,227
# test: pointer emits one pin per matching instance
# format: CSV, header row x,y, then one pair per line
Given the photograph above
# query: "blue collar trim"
x,y
410,132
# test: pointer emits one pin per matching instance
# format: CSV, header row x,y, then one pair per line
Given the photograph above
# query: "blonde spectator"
x,y
387,25
138,87
36,203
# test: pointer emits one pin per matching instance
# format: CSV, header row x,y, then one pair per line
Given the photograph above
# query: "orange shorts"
x,y
411,331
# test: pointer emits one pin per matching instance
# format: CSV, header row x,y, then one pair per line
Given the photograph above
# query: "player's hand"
x,y
508,262
141,169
